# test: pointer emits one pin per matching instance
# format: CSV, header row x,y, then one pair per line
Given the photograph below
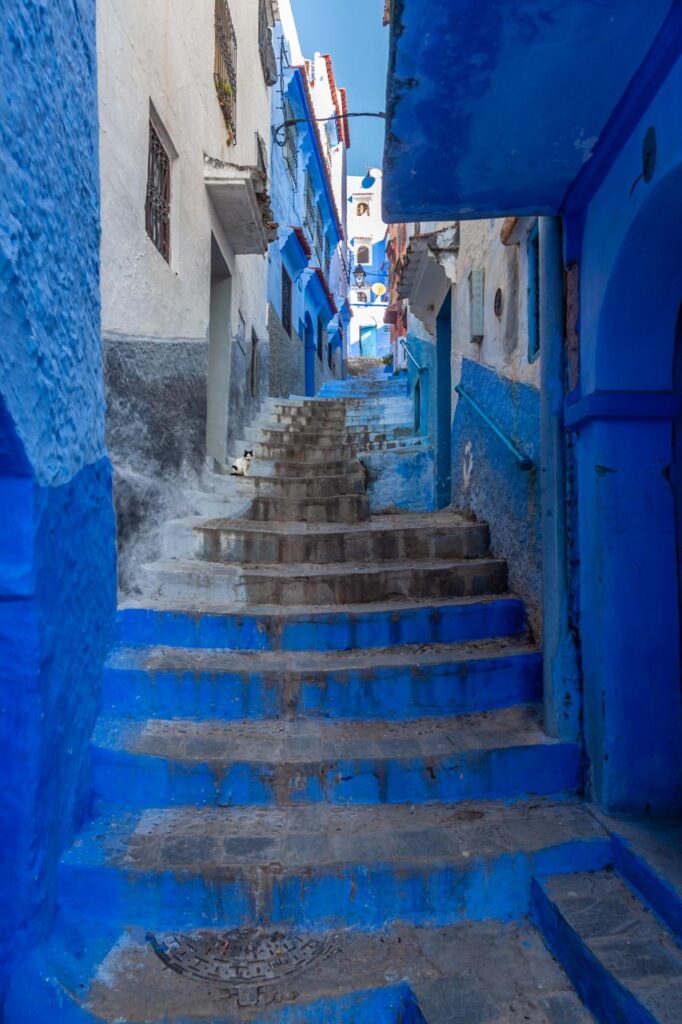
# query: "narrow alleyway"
x,y
320,763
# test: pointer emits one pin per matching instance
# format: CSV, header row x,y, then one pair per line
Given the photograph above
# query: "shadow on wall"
x,y
487,480
57,604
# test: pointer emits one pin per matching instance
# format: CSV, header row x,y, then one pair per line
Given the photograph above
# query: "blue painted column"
x,y
560,671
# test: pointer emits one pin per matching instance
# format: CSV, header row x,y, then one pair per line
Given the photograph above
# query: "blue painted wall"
x,y
579,142
623,412
487,479
288,191
57,561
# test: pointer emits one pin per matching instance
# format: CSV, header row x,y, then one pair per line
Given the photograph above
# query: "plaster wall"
x,y
156,62
625,239
498,374
57,551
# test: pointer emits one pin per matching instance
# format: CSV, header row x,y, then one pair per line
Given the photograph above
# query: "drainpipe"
x,y
560,673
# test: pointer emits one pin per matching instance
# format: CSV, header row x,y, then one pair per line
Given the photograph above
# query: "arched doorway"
x,y
310,355
629,502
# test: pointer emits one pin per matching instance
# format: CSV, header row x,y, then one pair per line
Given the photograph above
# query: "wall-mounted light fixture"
x,y
360,277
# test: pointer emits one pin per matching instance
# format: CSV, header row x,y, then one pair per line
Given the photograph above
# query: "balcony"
x,y
242,204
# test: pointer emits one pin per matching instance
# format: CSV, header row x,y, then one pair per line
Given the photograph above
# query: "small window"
x,y
533,294
364,254
320,338
290,142
286,302
362,296
253,368
362,210
417,407
476,308
309,213
158,200
327,255
330,355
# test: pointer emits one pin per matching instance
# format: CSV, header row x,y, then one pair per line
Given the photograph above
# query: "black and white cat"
x,y
241,466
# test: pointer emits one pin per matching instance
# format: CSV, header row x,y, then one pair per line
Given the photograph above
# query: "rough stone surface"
x,y
463,974
57,577
287,359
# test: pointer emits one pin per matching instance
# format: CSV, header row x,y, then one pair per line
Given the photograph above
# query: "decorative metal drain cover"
x,y
249,963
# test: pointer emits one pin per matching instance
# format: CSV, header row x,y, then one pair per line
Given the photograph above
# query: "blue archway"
x,y
629,607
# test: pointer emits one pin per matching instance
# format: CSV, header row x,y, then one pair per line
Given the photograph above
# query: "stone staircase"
x,y
321,787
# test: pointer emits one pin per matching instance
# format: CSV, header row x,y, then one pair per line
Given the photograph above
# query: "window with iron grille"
x,y
225,70
290,142
157,202
309,213
267,53
286,302
319,237
327,255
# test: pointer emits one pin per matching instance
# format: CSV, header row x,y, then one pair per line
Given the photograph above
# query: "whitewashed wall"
x,y
161,52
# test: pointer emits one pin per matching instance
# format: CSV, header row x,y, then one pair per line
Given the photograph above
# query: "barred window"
x,y
265,48
286,302
225,69
309,213
290,142
157,203
327,255
319,237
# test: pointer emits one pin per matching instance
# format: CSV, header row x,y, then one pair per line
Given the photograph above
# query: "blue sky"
x,y
352,32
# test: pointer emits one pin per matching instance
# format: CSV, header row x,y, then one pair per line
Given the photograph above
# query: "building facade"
x,y
308,311
186,224
370,336
596,154
463,320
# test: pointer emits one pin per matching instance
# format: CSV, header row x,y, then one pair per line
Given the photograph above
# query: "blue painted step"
x,y
490,756
401,682
457,620
461,973
625,965
324,865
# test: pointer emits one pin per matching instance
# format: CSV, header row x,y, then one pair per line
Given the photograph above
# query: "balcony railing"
x,y
225,70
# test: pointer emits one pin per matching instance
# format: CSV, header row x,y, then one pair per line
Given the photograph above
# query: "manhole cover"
x,y
249,963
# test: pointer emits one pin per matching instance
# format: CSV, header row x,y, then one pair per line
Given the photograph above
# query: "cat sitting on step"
x,y
241,466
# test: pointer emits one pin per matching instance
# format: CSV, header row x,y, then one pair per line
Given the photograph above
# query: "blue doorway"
x,y
444,405
310,355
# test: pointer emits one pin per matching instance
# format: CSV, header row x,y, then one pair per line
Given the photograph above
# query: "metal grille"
x,y
267,54
319,237
157,203
286,302
309,213
290,142
225,70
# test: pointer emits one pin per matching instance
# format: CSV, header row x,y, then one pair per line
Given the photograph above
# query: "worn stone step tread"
x,y
302,570
303,611
284,663
313,837
377,524
467,972
624,938
305,741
